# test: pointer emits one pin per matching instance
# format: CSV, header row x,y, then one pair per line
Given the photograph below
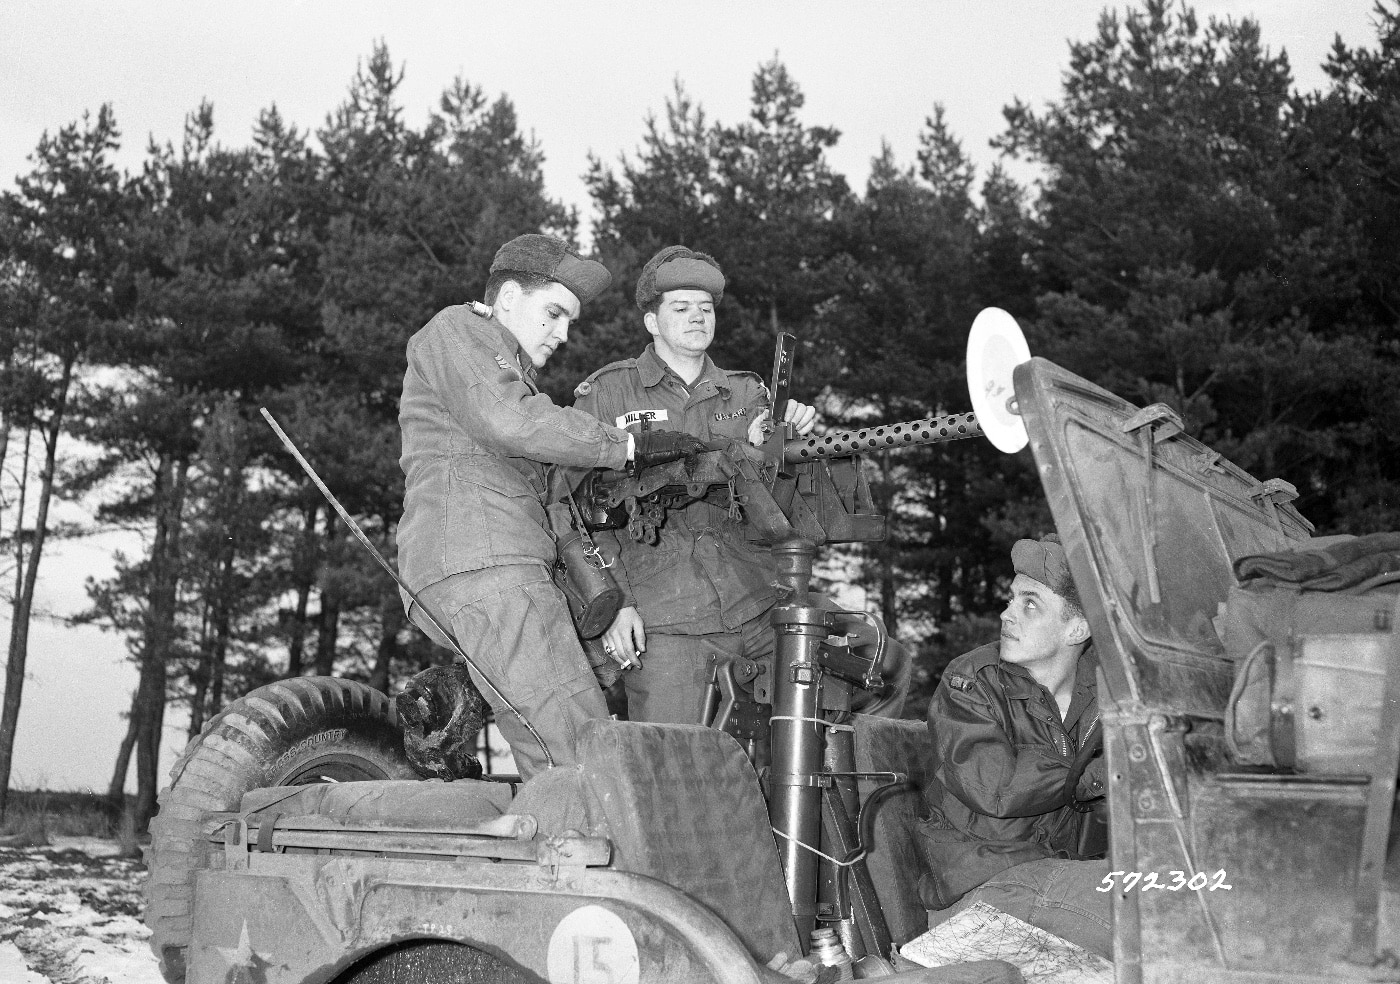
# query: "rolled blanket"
x,y
1327,563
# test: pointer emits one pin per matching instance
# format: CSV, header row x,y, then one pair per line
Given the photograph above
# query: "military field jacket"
x,y
478,442
702,575
1001,756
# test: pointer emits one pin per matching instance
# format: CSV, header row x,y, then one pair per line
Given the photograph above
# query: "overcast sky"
x,y
582,76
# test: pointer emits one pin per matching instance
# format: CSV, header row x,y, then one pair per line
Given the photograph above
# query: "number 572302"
x,y
1169,881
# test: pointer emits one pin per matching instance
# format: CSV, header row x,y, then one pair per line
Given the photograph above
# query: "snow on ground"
x,y
70,913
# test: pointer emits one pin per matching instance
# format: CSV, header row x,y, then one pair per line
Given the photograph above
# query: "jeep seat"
x,y
681,804
895,863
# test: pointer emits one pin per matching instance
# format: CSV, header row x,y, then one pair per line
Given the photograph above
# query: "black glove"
x,y
656,447
1094,782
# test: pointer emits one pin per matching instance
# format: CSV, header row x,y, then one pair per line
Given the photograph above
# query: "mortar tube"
x,y
798,739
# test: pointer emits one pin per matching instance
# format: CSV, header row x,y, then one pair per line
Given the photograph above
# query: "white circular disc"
x,y
995,347
592,945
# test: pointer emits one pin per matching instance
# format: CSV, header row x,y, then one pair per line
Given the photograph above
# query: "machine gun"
x,y
813,488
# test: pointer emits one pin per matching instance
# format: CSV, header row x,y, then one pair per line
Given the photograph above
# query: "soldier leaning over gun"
x,y
479,440
702,592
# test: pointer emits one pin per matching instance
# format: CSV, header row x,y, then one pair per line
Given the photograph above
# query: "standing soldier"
x,y
478,439
702,592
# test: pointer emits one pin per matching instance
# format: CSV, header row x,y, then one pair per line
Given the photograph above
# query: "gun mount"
x,y
795,494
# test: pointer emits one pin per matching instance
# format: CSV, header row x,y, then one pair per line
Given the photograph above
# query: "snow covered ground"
x,y
70,913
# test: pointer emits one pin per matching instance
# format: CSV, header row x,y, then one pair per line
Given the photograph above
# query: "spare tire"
x,y
291,733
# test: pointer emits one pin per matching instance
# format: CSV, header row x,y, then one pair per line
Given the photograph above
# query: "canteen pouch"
x,y
593,596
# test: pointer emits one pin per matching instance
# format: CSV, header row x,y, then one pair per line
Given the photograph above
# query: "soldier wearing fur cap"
x,y
479,446
702,592
1006,723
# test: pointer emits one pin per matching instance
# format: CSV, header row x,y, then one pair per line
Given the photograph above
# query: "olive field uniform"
x,y
479,440
1001,757
703,590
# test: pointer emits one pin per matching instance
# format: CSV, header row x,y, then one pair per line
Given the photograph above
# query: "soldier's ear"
x,y
507,295
1077,631
650,321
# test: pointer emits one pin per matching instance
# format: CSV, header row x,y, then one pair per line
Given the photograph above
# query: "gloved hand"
x,y
1094,782
657,447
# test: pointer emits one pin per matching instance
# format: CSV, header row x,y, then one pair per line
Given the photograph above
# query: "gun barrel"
x,y
930,430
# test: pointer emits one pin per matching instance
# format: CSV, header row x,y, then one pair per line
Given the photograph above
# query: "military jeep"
x,y
295,843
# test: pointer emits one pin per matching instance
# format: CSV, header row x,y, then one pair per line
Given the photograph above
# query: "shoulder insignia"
x,y
959,682
583,389
611,367
754,377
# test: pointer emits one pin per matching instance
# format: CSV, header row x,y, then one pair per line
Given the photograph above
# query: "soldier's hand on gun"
x,y
802,417
626,639
657,447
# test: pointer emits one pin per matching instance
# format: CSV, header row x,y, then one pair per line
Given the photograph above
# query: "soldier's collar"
x,y
511,344
1025,685
650,367
1021,684
1086,670
651,370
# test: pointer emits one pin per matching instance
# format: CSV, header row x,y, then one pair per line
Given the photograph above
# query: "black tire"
x,y
435,962
295,732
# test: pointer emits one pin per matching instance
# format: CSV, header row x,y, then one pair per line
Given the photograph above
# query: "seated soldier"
x,y
1007,721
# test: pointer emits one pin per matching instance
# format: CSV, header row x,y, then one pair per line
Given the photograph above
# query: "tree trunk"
x,y
391,621
200,678
222,605
216,682
160,633
327,629
328,622
946,587
884,551
116,791
27,575
304,566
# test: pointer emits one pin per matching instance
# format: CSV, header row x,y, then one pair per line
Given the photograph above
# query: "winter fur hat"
x,y
555,259
678,268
